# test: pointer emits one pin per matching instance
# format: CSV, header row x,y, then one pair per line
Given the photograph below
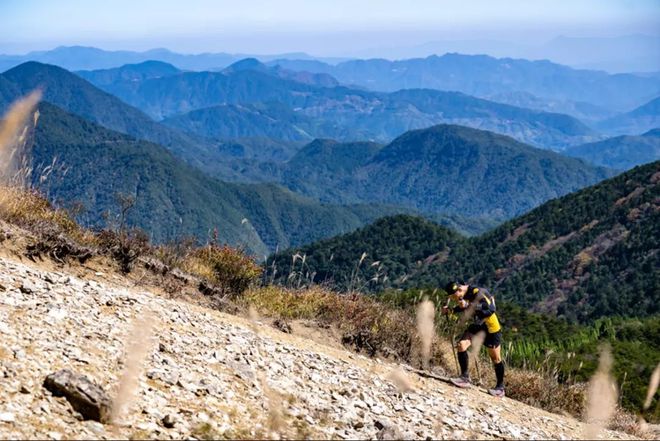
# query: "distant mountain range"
x,y
466,178
621,54
621,152
332,112
484,76
626,53
90,58
245,120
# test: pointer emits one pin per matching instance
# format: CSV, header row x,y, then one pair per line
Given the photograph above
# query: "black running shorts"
x,y
491,341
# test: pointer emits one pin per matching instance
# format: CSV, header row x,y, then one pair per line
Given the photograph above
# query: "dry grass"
x,y
30,210
14,140
366,324
426,329
601,397
539,390
653,387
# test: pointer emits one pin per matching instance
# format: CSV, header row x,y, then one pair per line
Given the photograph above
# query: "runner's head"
x,y
455,289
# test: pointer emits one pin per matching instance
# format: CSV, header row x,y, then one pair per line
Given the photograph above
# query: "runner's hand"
x,y
445,310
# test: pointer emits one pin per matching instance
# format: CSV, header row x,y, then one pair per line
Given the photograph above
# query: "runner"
x,y
479,303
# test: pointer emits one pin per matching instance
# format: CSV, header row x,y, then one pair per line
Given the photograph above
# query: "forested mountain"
x,y
386,251
637,121
444,169
621,152
93,164
337,112
589,254
75,95
481,75
245,120
8,92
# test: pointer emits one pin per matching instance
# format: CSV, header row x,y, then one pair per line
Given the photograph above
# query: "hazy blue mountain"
x,y
637,121
75,58
89,58
621,152
444,169
300,76
129,72
586,112
77,96
339,112
483,76
174,199
620,54
168,96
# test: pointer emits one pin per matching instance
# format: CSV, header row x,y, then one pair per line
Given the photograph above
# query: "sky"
x,y
324,28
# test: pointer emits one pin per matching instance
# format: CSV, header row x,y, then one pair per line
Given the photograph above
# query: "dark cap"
x,y
451,287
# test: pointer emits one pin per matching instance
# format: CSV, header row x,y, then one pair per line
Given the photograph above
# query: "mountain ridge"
x,y
445,168
482,75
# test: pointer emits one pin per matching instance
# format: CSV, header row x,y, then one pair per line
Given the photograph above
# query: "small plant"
x,y
125,246
174,254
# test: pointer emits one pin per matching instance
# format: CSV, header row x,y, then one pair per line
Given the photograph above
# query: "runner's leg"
x,y
462,347
498,364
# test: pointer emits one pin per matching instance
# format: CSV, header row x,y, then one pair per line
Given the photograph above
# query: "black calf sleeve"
x,y
463,362
499,373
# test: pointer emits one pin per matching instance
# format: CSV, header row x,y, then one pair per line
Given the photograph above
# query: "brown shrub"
x,y
539,390
226,266
175,253
125,246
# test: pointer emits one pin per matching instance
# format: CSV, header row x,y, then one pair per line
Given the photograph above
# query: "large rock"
x,y
86,397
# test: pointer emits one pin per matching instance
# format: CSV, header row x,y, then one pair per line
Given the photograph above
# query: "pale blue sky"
x,y
321,27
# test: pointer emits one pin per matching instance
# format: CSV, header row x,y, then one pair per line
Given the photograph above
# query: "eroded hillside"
x,y
208,374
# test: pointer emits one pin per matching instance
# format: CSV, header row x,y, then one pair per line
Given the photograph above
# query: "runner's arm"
x,y
486,308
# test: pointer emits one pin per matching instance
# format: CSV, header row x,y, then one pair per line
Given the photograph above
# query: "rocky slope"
x,y
209,374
